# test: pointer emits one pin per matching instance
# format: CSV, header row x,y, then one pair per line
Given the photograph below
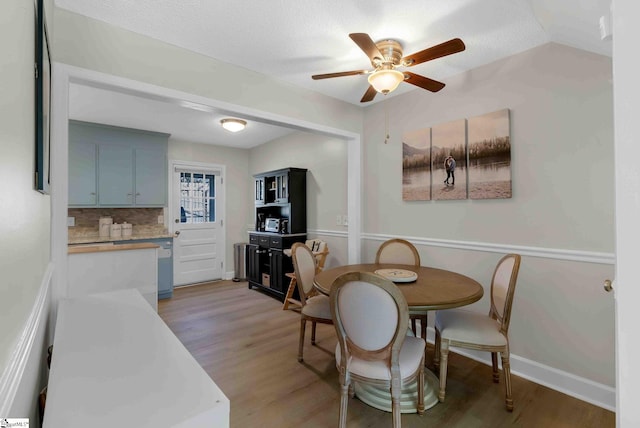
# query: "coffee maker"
x,y
260,223
284,226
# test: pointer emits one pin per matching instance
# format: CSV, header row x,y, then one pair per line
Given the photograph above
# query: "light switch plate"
x,y
71,221
345,220
160,219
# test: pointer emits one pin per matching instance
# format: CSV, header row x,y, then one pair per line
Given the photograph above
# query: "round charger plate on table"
x,y
398,275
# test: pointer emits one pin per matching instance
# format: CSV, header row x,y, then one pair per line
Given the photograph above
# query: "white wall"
x,y
238,185
24,213
95,45
325,158
560,100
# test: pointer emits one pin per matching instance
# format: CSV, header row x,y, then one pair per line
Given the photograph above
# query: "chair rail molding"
x,y
548,253
14,370
321,232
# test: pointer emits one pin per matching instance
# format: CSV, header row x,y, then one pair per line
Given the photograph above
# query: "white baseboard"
x,y
15,368
583,389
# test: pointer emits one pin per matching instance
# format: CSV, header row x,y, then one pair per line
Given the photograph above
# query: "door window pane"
x,y
197,198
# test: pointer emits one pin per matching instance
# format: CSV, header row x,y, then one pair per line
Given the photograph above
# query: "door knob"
x,y
176,233
608,286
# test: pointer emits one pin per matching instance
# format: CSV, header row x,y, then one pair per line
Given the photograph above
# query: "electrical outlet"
x,y
160,219
345,220
339,220
71,221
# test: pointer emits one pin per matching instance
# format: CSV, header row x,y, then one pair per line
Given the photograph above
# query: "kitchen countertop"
x,y
77,249
95,239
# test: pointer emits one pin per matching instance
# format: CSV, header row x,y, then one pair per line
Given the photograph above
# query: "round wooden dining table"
x,y
433,289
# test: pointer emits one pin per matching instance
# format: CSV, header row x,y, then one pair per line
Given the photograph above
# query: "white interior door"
x,y
197,202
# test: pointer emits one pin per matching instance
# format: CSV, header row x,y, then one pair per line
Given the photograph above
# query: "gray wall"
x,y
24,213
560,101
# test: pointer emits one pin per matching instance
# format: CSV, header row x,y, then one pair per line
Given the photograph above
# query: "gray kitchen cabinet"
x,y
83,174
116,167
150,177
115,176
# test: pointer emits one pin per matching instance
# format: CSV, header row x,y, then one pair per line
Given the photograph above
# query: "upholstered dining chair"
x,y
465,329
371,319
314,308
320,251
403,252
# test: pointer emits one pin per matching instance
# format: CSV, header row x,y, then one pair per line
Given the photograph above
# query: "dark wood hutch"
x,y
279,195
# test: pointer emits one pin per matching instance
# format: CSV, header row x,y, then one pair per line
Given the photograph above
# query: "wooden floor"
x,y
248,345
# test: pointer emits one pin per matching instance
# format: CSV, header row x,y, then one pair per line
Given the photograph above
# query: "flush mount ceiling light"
x,y
385,81
233,125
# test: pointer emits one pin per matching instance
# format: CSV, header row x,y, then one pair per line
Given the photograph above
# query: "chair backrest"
x,y
304,264
503,286
320,250
371,318
398,251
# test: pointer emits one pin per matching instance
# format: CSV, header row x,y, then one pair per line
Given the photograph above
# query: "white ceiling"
x,y
292,40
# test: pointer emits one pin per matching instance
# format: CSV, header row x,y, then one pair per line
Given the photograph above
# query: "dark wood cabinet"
x,y
253,263
267,265
281,195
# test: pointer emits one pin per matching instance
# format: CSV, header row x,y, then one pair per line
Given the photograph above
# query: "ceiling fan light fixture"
x,y
385,81
233,125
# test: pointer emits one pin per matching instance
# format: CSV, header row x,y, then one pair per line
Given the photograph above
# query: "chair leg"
x,y
313,332
436,354
289,297
494,364
395,404
345,386
303,324
413,327
506,367
423,327
444,357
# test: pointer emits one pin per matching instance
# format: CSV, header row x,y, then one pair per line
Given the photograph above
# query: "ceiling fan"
x,y
386,57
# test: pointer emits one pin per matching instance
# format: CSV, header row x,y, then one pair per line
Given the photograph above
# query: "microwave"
x,y
272,225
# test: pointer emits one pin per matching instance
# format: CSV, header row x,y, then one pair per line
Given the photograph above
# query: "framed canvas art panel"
x,y
416,165
489,156
42,101
449,160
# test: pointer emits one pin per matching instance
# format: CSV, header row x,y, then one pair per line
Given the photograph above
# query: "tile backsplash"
x,y
144,220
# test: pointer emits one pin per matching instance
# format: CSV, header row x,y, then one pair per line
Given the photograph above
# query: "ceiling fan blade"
x,y
423,82
369,95
437,51
365,43
340,74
